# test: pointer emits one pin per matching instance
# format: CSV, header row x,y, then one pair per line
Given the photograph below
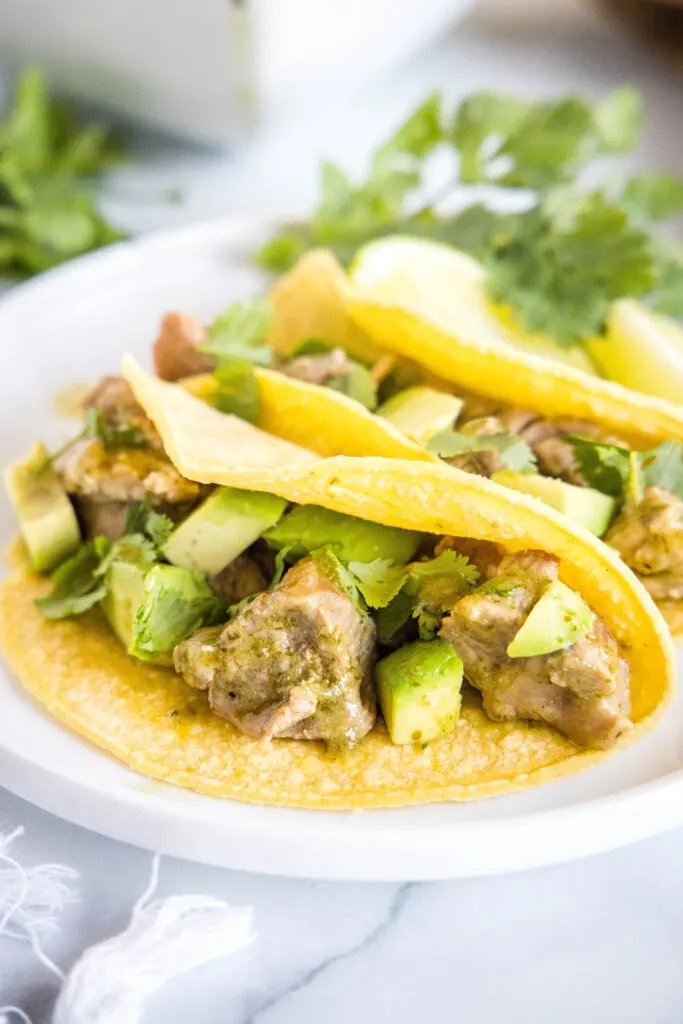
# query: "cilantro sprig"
x,y
47,165
559,262
608,467
237,340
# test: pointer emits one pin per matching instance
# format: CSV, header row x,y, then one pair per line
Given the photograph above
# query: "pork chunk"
x,y
105,482
649,538
582,690
176,350
318,369
113,398
296,663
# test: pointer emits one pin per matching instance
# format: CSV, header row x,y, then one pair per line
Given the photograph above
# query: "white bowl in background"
x,y
216,70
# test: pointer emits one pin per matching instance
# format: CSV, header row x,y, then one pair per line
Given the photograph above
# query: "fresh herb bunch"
x,y
47,166
561,261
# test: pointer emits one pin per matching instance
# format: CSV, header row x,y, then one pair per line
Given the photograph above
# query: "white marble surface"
x,y
598,940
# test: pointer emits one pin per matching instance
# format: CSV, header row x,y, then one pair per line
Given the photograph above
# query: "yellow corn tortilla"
x,y
155,723
316,417
458,348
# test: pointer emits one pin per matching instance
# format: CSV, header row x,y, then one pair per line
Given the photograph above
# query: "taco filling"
x,y
634,500
294,619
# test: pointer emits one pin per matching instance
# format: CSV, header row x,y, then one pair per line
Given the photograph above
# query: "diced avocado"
x,y
419,691
47,520
557,620
592,509
308,527
422,412
125,594
176,603
222,528
126,591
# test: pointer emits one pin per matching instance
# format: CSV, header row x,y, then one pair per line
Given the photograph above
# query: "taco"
x,y
242,648
530,415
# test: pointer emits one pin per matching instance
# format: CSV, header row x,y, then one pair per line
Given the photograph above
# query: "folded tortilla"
x,y
150,719
459,348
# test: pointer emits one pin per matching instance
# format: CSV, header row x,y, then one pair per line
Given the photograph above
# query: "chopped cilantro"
x,y
515,453
663,467
236,389
46,212
78,583
240,333
143,519
430,589
379,582
237,339
561,261
606,467
113,435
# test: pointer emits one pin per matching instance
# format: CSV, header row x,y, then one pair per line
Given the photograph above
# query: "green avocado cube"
x,y
221,528
419,690
308,527
592,509
421,412
557,620
47,520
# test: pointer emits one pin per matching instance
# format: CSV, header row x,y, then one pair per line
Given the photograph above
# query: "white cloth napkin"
x,y
110,982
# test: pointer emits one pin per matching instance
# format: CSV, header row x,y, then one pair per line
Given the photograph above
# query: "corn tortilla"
x,y
150,719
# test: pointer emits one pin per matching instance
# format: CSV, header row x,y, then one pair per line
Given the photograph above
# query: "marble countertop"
x,y
597,940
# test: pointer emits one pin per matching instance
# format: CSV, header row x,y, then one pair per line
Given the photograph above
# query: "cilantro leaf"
x,y
650,197
112,435
240,333
283,251
430,589
390,619
357,384
143,519
667,295
78,583
663,467
606,467
561,274
379,582
515,453
47,215
619,120
349,214
236,389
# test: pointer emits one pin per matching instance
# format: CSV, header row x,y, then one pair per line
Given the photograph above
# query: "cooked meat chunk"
x,y
582,690
296,663
123,474
318,369
545,438
649,538
240,579
113,397
176,350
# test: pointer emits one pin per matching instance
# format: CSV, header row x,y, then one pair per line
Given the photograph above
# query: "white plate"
x,y
74,324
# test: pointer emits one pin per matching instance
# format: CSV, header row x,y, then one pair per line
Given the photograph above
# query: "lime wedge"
x,y
641,350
